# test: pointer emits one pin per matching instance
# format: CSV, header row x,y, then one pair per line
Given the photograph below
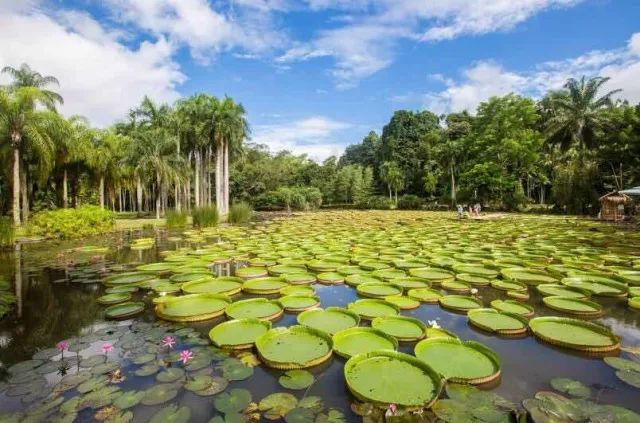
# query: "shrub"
x,y
205,216
377,202
72,223
312,196
240,213
410,202
7,232
176,219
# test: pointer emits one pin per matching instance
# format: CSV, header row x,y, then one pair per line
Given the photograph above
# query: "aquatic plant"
x,y
205,216
176,219
7,232
240,213
83,221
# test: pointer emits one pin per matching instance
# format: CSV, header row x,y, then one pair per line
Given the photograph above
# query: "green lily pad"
x,y
574,334
298,290
238,334
425,295
620,363
172,414
403,303
294,347
562,290
234,369
352,341
461,303
159,394
298,279
277,405
512,306
264,286
296,379
298,303
148,370
170,375
223,286
254,308
114,298
499,322
369,309
124,310
193,307
432,274
572,387
400,327
329,320
629,377
378,289
577,306
508,285
300,415
330,278
128,399
234,401
210,385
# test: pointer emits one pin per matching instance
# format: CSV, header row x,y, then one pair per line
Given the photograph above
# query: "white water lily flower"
x,y
474,291
434,324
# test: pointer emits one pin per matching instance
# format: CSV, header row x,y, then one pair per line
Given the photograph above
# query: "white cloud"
x,y
100,78
314,136
366,42
486,79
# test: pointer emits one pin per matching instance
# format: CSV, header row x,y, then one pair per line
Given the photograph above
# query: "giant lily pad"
x,y
264,286
378,290
256,308
128,399
528,276
297,290
389,377
329,320
502,323
461,303
425,295
512,306
128,278
225,285
295,347
369,309
460,361
577,306
596,285
562,290
432,274
572,387
574,334
352,341
404,303
400,327
238,334
124,310
276,406
114,298
251,272
298,303
193,307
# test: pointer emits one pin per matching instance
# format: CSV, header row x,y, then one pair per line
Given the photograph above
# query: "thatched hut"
x,y
612,206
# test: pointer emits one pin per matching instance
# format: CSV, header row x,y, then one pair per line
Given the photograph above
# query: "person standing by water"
x,y
476,208
460,211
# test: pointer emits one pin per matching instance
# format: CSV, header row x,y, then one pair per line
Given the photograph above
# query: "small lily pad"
x,y
128,399
172,414
296,379
159,394
277,405
234,401
170,375
572,387
234,369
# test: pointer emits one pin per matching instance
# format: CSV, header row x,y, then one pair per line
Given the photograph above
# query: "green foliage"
x,y
410,202
205,216
575,189
240,213
376,202
7,299
7,232
288,198
72,223
176,219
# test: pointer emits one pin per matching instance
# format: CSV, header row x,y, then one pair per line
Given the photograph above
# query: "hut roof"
x,y
616,197
635,191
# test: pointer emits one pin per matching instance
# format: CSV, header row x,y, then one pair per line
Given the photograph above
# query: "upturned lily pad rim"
x,y
634,303
375,323
161,308
283,300
273,285
368,289
305,314
415,294
270,317
188,287
229,325
545,290
504,332
552,302
620,287
263,339
340,335
114,298
496,304
438,380
445,302
372,301
483,349
615,340
135,307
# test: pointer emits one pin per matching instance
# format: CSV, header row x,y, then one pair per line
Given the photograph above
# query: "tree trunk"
x,y
188,194
24,192
158,195
101,189
197,179
139,194
176,195
219,170
65,193
225,179
390,193
16,186
453,185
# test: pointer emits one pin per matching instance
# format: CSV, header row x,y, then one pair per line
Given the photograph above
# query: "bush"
x,y
7,232
205,216
240,213
72,223
410,202
312,196
297,198
176,219
376,202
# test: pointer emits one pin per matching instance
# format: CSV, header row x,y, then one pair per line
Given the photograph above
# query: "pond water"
x,y
57,290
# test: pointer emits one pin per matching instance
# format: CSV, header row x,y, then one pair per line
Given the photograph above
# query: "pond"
x,y
495,282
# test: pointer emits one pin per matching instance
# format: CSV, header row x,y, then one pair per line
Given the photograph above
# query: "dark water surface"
x,y
57,300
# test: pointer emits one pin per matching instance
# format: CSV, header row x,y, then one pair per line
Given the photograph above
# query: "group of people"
x,y
473,210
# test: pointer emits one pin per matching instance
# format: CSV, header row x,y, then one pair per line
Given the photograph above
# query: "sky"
x,y
318,75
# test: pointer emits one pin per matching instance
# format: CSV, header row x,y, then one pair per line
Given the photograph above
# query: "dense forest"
x,y
562,151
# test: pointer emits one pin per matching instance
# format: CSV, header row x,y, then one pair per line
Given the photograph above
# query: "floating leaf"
x,y
300,415
148,370
172,414
249,359
234,369
128,399
313,403
277,405
159,394
331,416
572,387
170,375
234,401
622,363
296,379
629,377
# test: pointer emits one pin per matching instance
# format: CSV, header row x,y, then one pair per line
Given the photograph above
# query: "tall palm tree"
x,y
24,76
391,174
24,125
73,145
230,128
574,113
107,148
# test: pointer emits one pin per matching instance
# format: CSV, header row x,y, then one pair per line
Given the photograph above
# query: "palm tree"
x,y
72,146
229,128
23,125
24,76
107,147
391,174
574,113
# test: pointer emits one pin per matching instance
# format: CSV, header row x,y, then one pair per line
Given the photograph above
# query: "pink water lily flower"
x,y
392,410
63,345
106,348
185,356
169,341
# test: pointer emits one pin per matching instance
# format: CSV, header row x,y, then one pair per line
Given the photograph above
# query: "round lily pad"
x,y
114,298
352,341
234,401
128,399
124,310
577,306
173,414
294,347
369,309
459,361
425,295
206,385
400,327
238,334
389,377
456,286
329,320
256,308
378,290
409,282
561,290
170,375
506,285
404,303
330,278
358,279
159,394
634,303
128,278
282,269
475,280
432,274
193,307
298,303
598,286
234,369
528,276
297,290
502,323
513,306
572,387
225,286
296,379
264,286
276,406
160,267
299,278
251,272
574,334
461,303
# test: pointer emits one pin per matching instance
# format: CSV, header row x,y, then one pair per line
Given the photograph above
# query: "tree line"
x,y
564,150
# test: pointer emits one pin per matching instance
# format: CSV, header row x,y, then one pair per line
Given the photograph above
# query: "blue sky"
x,y
317,75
